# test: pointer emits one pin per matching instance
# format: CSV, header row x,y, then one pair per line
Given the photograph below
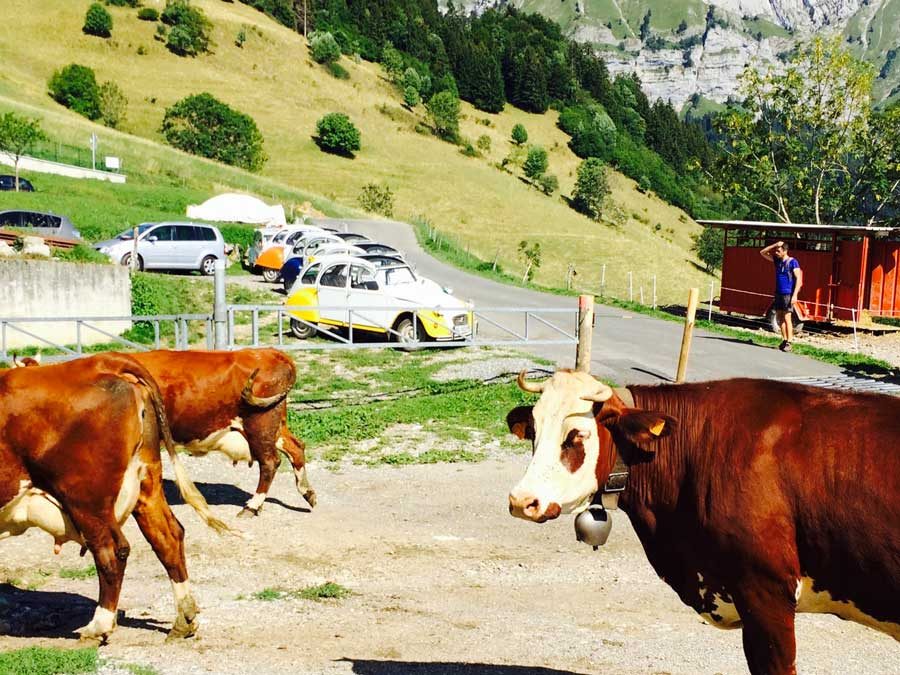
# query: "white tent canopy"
x,y
235,208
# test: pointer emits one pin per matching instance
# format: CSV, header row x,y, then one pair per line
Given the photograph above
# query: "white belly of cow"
x,y
230,441
722,613
33,507
821,602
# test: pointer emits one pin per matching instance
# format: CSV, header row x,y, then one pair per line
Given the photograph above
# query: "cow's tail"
x,y
248,397
186,487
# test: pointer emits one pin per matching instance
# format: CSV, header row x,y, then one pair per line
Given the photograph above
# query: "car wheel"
x,y
301,330
271,275
407,336
208,266
126,261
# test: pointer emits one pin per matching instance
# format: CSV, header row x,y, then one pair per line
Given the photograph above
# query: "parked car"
x,y
271,260
377,248
352,237
291,269
264,237
40,223
421,309
9,183
168,246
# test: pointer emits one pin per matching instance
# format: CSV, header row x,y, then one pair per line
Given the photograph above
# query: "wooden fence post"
x,y
585,333
693,298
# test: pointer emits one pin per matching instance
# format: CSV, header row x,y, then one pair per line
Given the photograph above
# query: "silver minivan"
x,y
168,246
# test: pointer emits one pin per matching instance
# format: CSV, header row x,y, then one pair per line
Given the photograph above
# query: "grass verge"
x,y
48,661
88,572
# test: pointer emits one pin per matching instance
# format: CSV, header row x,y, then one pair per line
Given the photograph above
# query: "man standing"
x,y
788,281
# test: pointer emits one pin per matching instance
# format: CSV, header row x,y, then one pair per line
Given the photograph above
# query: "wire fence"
x,y
62,153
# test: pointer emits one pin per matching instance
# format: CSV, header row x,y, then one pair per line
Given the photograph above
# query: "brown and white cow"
x,y
753,499
234,403
79,453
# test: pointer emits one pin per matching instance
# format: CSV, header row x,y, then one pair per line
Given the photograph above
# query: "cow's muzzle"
x,y
529,507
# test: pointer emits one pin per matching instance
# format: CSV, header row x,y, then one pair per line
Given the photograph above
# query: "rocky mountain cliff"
x,y
691,51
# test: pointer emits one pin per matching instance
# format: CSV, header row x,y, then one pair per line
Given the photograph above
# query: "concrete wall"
x,y
46,166
37,288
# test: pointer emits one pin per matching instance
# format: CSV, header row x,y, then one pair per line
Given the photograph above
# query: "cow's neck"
x,y
654,481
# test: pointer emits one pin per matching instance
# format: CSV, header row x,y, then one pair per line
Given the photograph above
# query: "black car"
x,y
382,260
375,248
351,237
9,183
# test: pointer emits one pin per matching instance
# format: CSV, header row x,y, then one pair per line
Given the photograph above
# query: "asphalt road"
x,y
627,347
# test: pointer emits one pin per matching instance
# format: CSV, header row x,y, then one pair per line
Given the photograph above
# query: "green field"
x,y
272,78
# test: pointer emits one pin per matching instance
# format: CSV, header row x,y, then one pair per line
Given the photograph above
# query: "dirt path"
x,y
444,581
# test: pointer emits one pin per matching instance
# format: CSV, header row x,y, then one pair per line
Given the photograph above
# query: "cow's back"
x,y
202,389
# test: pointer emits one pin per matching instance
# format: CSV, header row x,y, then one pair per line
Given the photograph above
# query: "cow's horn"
x,y
603,393
531,387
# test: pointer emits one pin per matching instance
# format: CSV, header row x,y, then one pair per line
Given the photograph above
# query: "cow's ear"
x,y
521,422
642,426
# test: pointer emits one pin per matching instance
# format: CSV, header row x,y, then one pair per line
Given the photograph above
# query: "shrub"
x,y
112,104
484,143
336,133
338,71
377,199
536,163
548,183
240,38
123,3
519,134
644,183
591,188
323,47
75,87
189,35
411,97
148,14
202,125
443,112
161,32
468,150
392,60
83,253
411,79
97,21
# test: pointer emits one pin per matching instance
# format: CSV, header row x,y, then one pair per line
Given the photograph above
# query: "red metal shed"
x,y
848,271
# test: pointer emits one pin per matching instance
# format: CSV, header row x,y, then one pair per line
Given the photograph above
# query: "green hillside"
x,y
272,78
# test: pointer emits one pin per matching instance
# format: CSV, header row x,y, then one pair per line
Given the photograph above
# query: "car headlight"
x,y
104,249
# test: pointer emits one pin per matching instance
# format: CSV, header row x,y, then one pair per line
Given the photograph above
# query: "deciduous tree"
x,y
17,136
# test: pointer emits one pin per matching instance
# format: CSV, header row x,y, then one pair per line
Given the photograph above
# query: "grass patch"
x,y
138,669
327,591
80,573
429,457
48,661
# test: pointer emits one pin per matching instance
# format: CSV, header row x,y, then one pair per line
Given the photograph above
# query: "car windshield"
x,y
129,234
394,276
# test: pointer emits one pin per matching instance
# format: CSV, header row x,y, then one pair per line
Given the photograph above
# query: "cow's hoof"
x,y
247,512
310,497
183,629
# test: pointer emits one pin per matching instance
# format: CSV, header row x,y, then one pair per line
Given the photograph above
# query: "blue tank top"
x,y
784,275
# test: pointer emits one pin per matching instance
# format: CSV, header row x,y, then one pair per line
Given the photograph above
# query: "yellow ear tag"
x,y
657,428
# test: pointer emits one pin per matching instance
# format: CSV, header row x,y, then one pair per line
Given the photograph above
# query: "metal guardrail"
x,y
269,325
86,324
529,326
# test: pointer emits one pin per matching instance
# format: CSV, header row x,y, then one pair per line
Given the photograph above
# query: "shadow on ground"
x,y
365,667
54,614
219,494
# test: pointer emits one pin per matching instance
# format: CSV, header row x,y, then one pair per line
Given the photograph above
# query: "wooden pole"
x,y
585,333
693,299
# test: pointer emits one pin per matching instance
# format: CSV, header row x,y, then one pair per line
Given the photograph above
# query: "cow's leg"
x,y
166,537
261,432
295,450
110,549
767,613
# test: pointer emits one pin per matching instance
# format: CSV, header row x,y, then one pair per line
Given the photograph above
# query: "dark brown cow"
x,y
753,499
234,403
79,453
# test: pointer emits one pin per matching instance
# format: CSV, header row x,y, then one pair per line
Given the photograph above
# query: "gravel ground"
x,y
444,581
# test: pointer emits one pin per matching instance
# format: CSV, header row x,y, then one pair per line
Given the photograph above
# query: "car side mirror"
x,y
152,238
